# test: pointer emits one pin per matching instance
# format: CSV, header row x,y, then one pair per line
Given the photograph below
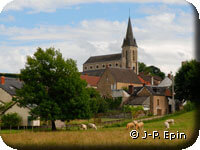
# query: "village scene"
x,y
114,100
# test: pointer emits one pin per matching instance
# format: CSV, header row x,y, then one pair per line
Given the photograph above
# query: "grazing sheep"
x,y
130,125
83,126
135,122
166,124
170,121
91,125
139,125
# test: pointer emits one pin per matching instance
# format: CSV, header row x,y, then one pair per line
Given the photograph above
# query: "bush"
x,y
11,119
189,106
113,103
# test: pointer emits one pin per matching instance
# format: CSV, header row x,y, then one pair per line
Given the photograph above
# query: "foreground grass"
x,y
105,136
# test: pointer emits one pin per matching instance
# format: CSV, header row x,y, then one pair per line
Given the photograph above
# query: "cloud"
x,y
52,5
7,19
164,40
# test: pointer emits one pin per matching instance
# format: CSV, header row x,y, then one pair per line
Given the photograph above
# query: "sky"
x,y
163,29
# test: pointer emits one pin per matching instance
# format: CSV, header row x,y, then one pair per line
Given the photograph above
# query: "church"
x,y
127,59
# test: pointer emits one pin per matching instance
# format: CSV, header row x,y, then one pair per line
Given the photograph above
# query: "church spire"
x,y
129,40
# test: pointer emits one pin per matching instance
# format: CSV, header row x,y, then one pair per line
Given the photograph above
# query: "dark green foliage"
x,y
113,103
5,106
152,70
187,82
11,120
189,106
53,87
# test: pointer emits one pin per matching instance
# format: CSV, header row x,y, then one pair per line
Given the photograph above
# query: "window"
x,y
157,102
103,66
97,66
116,64
90,67
133,55
110,65
85,68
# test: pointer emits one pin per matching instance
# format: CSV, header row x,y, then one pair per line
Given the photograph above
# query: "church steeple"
x,y
129,40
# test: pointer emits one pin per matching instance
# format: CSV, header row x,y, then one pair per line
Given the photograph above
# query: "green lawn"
x,y
111,135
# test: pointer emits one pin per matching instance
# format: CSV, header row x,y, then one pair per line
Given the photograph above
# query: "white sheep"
x,y
139,125
166,124
91,125
170,121
83,126
135,122
130,125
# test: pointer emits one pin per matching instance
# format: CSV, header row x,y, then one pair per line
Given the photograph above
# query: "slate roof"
x,y
10,86
124,75
167,82
91,80
154,90
103,58
129,40
97,73
142,100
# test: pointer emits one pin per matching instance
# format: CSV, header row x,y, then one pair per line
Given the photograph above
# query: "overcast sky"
x,y
83,28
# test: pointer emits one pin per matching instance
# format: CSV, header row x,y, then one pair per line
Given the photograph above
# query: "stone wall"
x,y
102,65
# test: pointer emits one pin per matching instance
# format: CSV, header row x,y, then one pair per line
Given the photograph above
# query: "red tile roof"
x,y
91,80
143,81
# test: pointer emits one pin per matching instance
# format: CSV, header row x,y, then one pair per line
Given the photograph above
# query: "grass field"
x,y
112,136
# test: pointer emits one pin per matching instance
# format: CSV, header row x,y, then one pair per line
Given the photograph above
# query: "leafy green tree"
x,y
152,70
142,67
187,81
97,103
5,106
53,88
11,120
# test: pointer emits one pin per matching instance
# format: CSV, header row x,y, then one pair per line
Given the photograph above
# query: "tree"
x,y
97,103
53,88
11,119
152,70
187,81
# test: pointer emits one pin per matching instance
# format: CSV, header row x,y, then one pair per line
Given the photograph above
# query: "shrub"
x,y
11,119
189,106
113,103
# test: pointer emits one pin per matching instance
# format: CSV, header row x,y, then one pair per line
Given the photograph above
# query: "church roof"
x,y
104,58
129,40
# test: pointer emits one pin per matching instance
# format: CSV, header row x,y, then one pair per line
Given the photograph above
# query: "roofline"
x,y
100,56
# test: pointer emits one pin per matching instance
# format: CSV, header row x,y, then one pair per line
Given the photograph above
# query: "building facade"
x,y
127,59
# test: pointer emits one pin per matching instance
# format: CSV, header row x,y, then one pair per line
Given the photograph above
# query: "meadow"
x,y
116,136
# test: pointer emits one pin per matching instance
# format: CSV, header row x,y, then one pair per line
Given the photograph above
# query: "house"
x,y
149,79
152,98
91,80
115,79
126,59
8,88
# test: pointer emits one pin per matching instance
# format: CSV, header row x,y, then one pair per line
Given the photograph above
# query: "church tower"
x,y
129,50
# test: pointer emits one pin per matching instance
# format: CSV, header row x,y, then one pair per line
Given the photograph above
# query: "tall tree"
x,y
152,70
187,81
53,88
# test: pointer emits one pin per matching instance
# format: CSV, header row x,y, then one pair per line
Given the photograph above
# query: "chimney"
x,y
2,80
131,89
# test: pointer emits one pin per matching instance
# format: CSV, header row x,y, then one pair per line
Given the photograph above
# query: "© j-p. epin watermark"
x,y
156,135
